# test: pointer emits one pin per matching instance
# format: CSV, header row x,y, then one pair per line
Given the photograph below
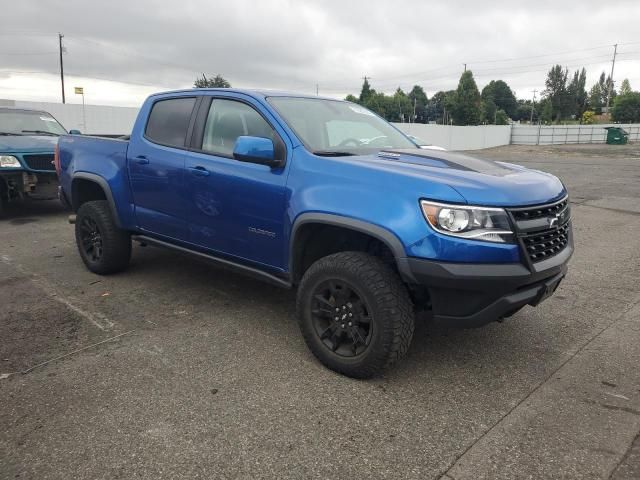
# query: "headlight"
x,y
474,223
9,161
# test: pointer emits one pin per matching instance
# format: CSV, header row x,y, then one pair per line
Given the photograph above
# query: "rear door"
x,y
156,161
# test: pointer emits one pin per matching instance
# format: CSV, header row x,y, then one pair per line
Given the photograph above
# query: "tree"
x,y
524,111
626,108
419,100
556,92
366,92
587,117
546,109
577,93
501,117
606,85
466,102
439,103
399,107
217,82
498,92
625,87
595,98
351,98
488,111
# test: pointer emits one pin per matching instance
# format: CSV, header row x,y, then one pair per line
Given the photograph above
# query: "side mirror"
x,y
256,150
74,132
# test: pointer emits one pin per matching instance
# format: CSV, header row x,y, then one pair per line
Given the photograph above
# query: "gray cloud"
x,y
288,44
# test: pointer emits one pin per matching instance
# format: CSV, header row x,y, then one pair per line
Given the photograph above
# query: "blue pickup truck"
x,y
326,197
27,142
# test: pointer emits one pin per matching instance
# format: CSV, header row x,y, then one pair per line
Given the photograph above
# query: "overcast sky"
x,y
120,51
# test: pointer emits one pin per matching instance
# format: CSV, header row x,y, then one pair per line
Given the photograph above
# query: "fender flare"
x,y
380,233
105,188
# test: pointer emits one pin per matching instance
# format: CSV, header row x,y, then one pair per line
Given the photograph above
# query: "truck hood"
x,y
27,143
478,181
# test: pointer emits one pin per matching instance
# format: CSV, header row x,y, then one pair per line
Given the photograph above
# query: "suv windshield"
x,y
27,122
335,127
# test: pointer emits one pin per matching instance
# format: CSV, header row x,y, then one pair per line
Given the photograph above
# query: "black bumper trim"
x,y
472,295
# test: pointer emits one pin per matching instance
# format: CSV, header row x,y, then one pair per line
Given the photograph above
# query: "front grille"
x,y
540,211
546,243
543,229
39,162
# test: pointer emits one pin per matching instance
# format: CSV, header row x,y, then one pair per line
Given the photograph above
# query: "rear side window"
x,y
169,121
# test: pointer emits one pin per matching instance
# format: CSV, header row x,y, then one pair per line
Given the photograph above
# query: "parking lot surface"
x,y
177,369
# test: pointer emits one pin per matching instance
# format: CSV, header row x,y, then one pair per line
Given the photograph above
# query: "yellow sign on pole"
x,y
79,90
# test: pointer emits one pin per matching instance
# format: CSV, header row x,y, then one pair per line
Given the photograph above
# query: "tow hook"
x,y
72,219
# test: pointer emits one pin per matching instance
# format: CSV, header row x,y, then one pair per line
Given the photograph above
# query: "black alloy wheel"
x,y
341,318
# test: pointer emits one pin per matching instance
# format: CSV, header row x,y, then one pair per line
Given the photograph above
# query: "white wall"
x,y
454,137
560,134
100,119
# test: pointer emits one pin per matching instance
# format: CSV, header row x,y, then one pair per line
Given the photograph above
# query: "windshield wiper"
x,y
333,153
11,133
41,132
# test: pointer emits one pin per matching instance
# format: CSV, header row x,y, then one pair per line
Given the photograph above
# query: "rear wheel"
x,y
355,314
103,246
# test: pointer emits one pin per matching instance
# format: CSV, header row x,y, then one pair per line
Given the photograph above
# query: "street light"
x,y
80,91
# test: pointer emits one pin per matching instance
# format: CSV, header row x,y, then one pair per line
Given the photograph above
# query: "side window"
x,y
227,120
169,121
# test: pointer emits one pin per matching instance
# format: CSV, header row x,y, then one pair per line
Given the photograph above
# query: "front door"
x,y
235,208
157,168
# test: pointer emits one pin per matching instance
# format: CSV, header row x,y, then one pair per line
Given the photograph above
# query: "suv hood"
x,y
478,181
27,143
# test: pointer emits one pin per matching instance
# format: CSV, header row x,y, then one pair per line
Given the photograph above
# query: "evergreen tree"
x,y
557,93
577,93
367,92
466,102
595,98
625,87
419,100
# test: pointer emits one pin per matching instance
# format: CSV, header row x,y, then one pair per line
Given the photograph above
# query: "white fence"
x,y
453,137
108,120
561,134
100,119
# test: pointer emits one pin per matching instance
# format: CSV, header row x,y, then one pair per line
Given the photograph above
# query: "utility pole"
x,y
613,64
465,67
317,89
60,36
533,105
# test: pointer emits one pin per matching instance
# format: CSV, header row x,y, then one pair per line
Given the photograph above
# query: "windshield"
x,y
24,122
335,127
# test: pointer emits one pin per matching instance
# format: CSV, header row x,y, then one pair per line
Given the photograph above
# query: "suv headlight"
x,y
9,161
473,223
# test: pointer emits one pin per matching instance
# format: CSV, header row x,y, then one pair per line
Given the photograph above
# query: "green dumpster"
x,y
616,136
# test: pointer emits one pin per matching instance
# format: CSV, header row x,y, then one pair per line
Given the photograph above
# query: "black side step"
x,y
237,267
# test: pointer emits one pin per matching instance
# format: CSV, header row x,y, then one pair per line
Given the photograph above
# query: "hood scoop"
x,y
444,159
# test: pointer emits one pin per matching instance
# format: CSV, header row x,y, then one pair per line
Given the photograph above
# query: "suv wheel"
x,y
355,314
103,246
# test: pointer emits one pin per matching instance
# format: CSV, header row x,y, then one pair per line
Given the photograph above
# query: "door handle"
x,y
199,171
142,160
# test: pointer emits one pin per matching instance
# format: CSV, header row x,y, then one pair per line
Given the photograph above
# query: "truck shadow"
x,y
269,310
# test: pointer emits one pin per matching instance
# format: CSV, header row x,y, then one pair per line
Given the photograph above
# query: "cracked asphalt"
x,y
177,369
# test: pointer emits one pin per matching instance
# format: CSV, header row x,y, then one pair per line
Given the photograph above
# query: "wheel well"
x,y
84,190
316,240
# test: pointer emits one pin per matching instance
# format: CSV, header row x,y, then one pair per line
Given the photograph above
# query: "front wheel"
x,y
103,246
355,314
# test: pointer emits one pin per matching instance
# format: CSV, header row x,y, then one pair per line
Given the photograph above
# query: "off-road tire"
x,y
387,300
115,242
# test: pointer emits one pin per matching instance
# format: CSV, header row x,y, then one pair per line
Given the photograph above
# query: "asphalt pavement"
x,y
177,369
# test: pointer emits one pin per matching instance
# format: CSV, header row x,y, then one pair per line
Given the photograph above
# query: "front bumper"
x,y
472,295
